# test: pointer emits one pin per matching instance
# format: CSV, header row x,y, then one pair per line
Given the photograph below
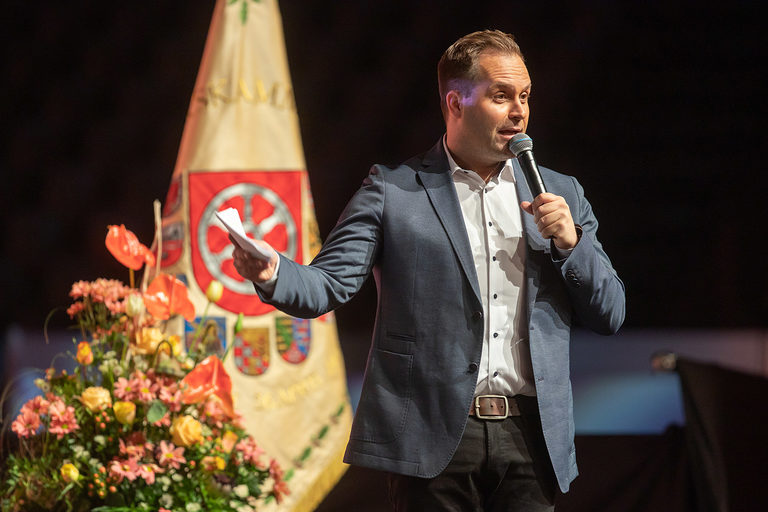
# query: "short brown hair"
x,y
457,70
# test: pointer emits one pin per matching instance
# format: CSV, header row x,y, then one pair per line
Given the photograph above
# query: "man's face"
x,y
496,109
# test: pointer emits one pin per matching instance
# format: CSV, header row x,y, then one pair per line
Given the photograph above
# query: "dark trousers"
x,y
499,466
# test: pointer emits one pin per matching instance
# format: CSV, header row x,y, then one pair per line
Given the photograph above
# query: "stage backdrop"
x,y
241,148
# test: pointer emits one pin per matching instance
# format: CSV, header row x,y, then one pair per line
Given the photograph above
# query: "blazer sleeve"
x,y
343,264
595,290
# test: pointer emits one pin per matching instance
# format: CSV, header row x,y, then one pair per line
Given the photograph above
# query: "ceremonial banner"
x,y
241,149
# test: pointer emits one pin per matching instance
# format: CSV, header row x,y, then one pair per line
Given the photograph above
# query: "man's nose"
x,y
517,109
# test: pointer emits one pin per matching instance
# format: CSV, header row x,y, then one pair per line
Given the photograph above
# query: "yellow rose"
x,y
125,412
228,441
84,353
96,398
69,473
147,340
186,431
214,291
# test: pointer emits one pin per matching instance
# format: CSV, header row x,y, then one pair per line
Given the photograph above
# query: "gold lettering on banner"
x,y
288,395
222,91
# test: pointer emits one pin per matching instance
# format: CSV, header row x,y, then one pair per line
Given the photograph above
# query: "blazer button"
x,y
472,367
477,315
571,276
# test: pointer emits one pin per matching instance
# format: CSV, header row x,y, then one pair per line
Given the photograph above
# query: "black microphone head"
x,y
519,143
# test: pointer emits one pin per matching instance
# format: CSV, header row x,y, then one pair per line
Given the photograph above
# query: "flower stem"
x,y
196,335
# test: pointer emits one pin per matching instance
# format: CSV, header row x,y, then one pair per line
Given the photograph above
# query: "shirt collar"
x,y
507,172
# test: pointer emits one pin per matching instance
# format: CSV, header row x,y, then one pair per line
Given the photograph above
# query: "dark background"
x,y
657,108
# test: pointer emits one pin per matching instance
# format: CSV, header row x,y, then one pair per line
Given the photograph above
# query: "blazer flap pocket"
x,y
397,342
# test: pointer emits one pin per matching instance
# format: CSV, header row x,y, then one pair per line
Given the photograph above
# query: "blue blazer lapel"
x,y
435,177
535,244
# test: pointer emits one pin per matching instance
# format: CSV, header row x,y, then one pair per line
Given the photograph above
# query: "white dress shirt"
x,y
492,216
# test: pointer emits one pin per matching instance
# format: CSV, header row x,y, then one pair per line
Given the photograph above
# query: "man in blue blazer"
x,y
466,400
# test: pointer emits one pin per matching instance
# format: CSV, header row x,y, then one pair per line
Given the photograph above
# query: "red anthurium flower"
x,y
208,378
124,246
167,296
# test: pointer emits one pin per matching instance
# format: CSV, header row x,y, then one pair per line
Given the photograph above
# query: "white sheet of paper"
x,y
231,220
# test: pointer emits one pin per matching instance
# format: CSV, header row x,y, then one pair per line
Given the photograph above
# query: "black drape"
x,y
726,415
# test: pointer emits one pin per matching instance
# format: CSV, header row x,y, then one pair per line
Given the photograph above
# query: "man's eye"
x,y
500,97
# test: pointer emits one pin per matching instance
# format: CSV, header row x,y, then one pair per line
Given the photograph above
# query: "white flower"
x,y
100,440
241,491
177,477
166,500
80,452
193,507
42,385
165,483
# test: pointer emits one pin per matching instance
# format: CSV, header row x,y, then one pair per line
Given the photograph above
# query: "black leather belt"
x,y
494,407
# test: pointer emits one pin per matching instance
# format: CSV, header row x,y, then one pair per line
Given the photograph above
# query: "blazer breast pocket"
x,y
397,342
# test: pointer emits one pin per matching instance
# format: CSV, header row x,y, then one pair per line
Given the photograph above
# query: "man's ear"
x,y
454,103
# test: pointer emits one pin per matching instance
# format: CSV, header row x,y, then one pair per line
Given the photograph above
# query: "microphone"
x,y
521,146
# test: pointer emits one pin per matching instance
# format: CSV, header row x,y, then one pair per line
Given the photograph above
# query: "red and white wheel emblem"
x,y
278,224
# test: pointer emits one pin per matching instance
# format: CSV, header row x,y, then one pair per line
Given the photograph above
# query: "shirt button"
x,y
494,258
495,335
490,223
472,367
495,374
495,296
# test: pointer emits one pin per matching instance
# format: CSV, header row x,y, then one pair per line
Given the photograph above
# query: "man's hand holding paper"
x,y
255,260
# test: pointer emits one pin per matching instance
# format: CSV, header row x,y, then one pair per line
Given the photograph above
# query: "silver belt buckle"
x,y
483,417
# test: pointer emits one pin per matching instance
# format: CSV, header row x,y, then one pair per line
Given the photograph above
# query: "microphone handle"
x,y
531,171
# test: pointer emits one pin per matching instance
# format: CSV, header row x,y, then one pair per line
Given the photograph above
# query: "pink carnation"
x,y
171,455
132,451
119,469
26,423
103,290
125,390
275,471
213,413
75,308
148,471
115,307
251,451
279,490
37,405
63,419
143,387
170,396
80,289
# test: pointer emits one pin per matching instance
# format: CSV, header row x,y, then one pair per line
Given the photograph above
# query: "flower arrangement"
x,y
141,423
